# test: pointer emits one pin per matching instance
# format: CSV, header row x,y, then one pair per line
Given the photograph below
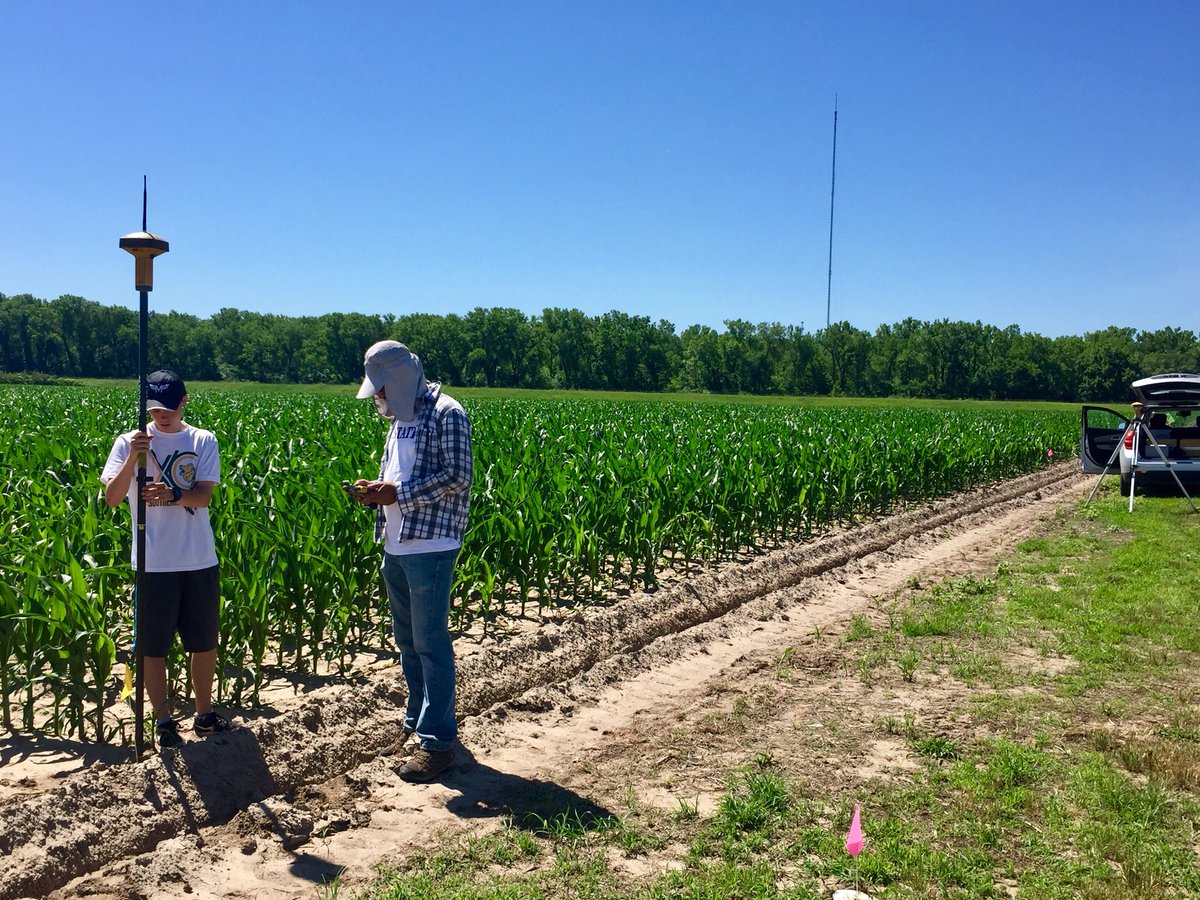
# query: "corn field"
x,y
570,497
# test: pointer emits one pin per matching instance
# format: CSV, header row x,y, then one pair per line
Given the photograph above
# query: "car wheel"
x,y
1126,484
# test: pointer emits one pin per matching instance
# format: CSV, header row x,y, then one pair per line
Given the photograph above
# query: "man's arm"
x,y
455,473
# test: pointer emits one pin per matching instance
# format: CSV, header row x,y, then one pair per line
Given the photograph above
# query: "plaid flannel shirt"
x,y
437,498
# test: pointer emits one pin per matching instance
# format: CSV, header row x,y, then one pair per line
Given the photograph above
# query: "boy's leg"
x,y
158,611
154,677
199,613
204,667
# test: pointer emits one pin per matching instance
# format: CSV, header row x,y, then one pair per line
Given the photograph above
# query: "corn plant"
x,y
571,498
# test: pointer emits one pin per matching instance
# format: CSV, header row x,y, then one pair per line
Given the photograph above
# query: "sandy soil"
x,y
647,701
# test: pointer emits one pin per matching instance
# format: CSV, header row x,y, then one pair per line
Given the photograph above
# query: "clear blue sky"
x,y
1013,161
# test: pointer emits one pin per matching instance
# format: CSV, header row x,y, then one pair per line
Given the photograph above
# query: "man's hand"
x,y
375,493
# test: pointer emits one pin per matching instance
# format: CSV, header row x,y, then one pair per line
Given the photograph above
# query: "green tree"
x,y
504,349
1108,365
1168,350
701,369
568,337
847,349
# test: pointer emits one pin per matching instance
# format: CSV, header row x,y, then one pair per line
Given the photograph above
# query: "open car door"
x,y
1101,432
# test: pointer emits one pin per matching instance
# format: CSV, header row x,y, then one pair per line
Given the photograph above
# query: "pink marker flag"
x,y
854,840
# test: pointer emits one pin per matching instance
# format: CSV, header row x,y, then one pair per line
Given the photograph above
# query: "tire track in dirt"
x,y
108,815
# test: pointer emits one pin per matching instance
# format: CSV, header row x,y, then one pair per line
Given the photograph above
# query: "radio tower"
x,y
832,185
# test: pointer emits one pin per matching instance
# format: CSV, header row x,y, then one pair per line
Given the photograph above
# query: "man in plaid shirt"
x,y
423,497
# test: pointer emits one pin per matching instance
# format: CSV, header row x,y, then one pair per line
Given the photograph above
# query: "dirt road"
x,y
650,700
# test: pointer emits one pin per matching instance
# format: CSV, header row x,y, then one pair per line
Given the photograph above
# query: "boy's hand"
x,y
139,443
158,492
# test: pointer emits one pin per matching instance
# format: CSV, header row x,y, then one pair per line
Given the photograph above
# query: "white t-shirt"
x,y
401,460
178,539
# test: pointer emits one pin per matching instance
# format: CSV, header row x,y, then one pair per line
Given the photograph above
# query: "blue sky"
x,y
1018,163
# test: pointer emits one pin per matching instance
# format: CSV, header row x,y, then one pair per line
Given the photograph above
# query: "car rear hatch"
x,y
1177,389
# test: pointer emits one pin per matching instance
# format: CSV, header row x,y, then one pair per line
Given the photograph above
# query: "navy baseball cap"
x,y
164,390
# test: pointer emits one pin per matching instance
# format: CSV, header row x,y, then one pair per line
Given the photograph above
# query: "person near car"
x,y
422,497
180,588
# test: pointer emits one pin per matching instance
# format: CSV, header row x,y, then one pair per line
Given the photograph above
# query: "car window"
x,y
1104,418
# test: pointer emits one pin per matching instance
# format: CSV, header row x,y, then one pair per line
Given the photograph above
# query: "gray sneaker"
x,y
210,723
425,765
166,733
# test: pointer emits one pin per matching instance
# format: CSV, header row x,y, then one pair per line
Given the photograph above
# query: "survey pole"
x,y
144,246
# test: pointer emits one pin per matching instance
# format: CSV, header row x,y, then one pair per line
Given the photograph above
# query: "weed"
x,y
937,747
740,707
687,812
784,661
568,827
763,761
752,803
860,629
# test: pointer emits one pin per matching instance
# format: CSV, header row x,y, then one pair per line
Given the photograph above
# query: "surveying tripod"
x,y
1140,427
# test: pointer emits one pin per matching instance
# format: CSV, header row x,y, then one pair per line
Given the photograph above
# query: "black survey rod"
x,y
139,703
144,247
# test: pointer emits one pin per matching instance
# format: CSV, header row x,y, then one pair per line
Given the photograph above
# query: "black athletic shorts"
x,y
187,602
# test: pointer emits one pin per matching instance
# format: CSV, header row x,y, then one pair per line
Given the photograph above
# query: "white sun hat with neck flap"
x,y
398,371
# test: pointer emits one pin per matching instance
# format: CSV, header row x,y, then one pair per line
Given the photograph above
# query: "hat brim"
x,y
367,389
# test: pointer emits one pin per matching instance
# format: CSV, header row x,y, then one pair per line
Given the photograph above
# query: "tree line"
x,y
567,349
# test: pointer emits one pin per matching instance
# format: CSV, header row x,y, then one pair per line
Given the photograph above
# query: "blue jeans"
x,y
418,588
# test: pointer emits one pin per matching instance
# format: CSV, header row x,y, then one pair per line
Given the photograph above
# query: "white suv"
x,y
1170,409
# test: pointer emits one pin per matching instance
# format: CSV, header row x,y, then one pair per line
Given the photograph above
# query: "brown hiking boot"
x,y
425,765
401,748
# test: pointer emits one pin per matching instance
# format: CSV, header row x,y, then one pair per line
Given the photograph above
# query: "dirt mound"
x,y
257,801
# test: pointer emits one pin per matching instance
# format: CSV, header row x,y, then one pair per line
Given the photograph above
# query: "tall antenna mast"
x,y
832,185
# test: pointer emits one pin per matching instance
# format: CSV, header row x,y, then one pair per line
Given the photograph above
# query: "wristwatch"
x,y
176,493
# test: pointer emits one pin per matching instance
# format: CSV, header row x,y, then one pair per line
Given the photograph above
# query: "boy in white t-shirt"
x,y
181,582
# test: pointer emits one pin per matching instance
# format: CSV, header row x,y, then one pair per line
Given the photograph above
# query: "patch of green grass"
x,y
1124,609
569,826
953,608
571,874
724,880
1006,777
750,814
